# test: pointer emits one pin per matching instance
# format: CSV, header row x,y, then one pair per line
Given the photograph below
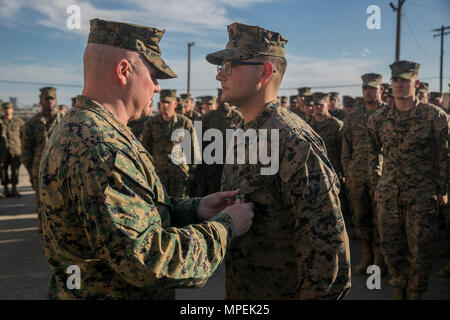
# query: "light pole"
x,y
190,44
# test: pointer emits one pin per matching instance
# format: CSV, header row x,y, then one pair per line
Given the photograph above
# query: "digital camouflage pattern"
x,y
371,80
404,69
423,87
105,210
338,114
330,130
208,176
168,95
297,247
193,115
137,38
10,153
348,101
304,91
156,138
415,164
355,165
35,134
246,42
12,129
137,126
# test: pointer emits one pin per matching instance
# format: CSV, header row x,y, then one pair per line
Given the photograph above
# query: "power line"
x,y
197,89
428,7
42,83
414,36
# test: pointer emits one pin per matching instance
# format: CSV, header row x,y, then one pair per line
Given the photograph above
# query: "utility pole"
x,y
441,34
190,44
399,25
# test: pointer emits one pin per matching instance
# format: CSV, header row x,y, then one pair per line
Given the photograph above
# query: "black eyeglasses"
x,y
227,66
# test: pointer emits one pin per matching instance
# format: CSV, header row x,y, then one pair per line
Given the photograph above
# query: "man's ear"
x,y
267,73
417,83
123,71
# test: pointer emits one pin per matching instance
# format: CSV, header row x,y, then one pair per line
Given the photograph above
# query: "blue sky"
x,y
329,43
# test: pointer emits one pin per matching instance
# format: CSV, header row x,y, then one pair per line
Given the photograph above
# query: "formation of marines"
x,y
383,159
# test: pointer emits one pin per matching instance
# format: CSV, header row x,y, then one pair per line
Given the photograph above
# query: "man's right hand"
x,y
241,215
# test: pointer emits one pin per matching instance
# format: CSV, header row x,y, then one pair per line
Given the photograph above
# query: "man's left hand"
x,y
213,204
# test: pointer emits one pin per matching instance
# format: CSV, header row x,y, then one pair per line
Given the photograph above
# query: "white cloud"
x,y
186,16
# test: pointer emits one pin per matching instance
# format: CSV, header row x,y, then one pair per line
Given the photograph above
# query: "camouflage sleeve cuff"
x,y
184,211
225,222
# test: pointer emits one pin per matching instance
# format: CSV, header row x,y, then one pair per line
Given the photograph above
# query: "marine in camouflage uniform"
x,y
329,128
348,103
413,182
355,164
387,95
292,102
157,139
303,111
422,92
298,246
105,209
190,113
334,106
208,176
284,101
35,134
437,99
11,127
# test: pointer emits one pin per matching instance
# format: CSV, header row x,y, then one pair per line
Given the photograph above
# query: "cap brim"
x,y
373,84
218,57
163,70
406,75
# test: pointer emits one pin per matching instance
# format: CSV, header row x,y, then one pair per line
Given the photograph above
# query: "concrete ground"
x,y
24,271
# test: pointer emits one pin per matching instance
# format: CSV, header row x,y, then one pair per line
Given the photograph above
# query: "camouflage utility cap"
x,y
348,101
48,92
423,87
404,69
167,95
246,42
334,95
209,100
185,96
308,101
140,39
371,80
283,99
321,98
304,91
7,105
292,98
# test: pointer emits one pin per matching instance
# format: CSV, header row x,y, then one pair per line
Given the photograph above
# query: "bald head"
x,y
100,61
120,79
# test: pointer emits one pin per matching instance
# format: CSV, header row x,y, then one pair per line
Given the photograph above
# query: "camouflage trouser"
x,y
175,184
346,203
14,162
365,211
407,229
35,185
